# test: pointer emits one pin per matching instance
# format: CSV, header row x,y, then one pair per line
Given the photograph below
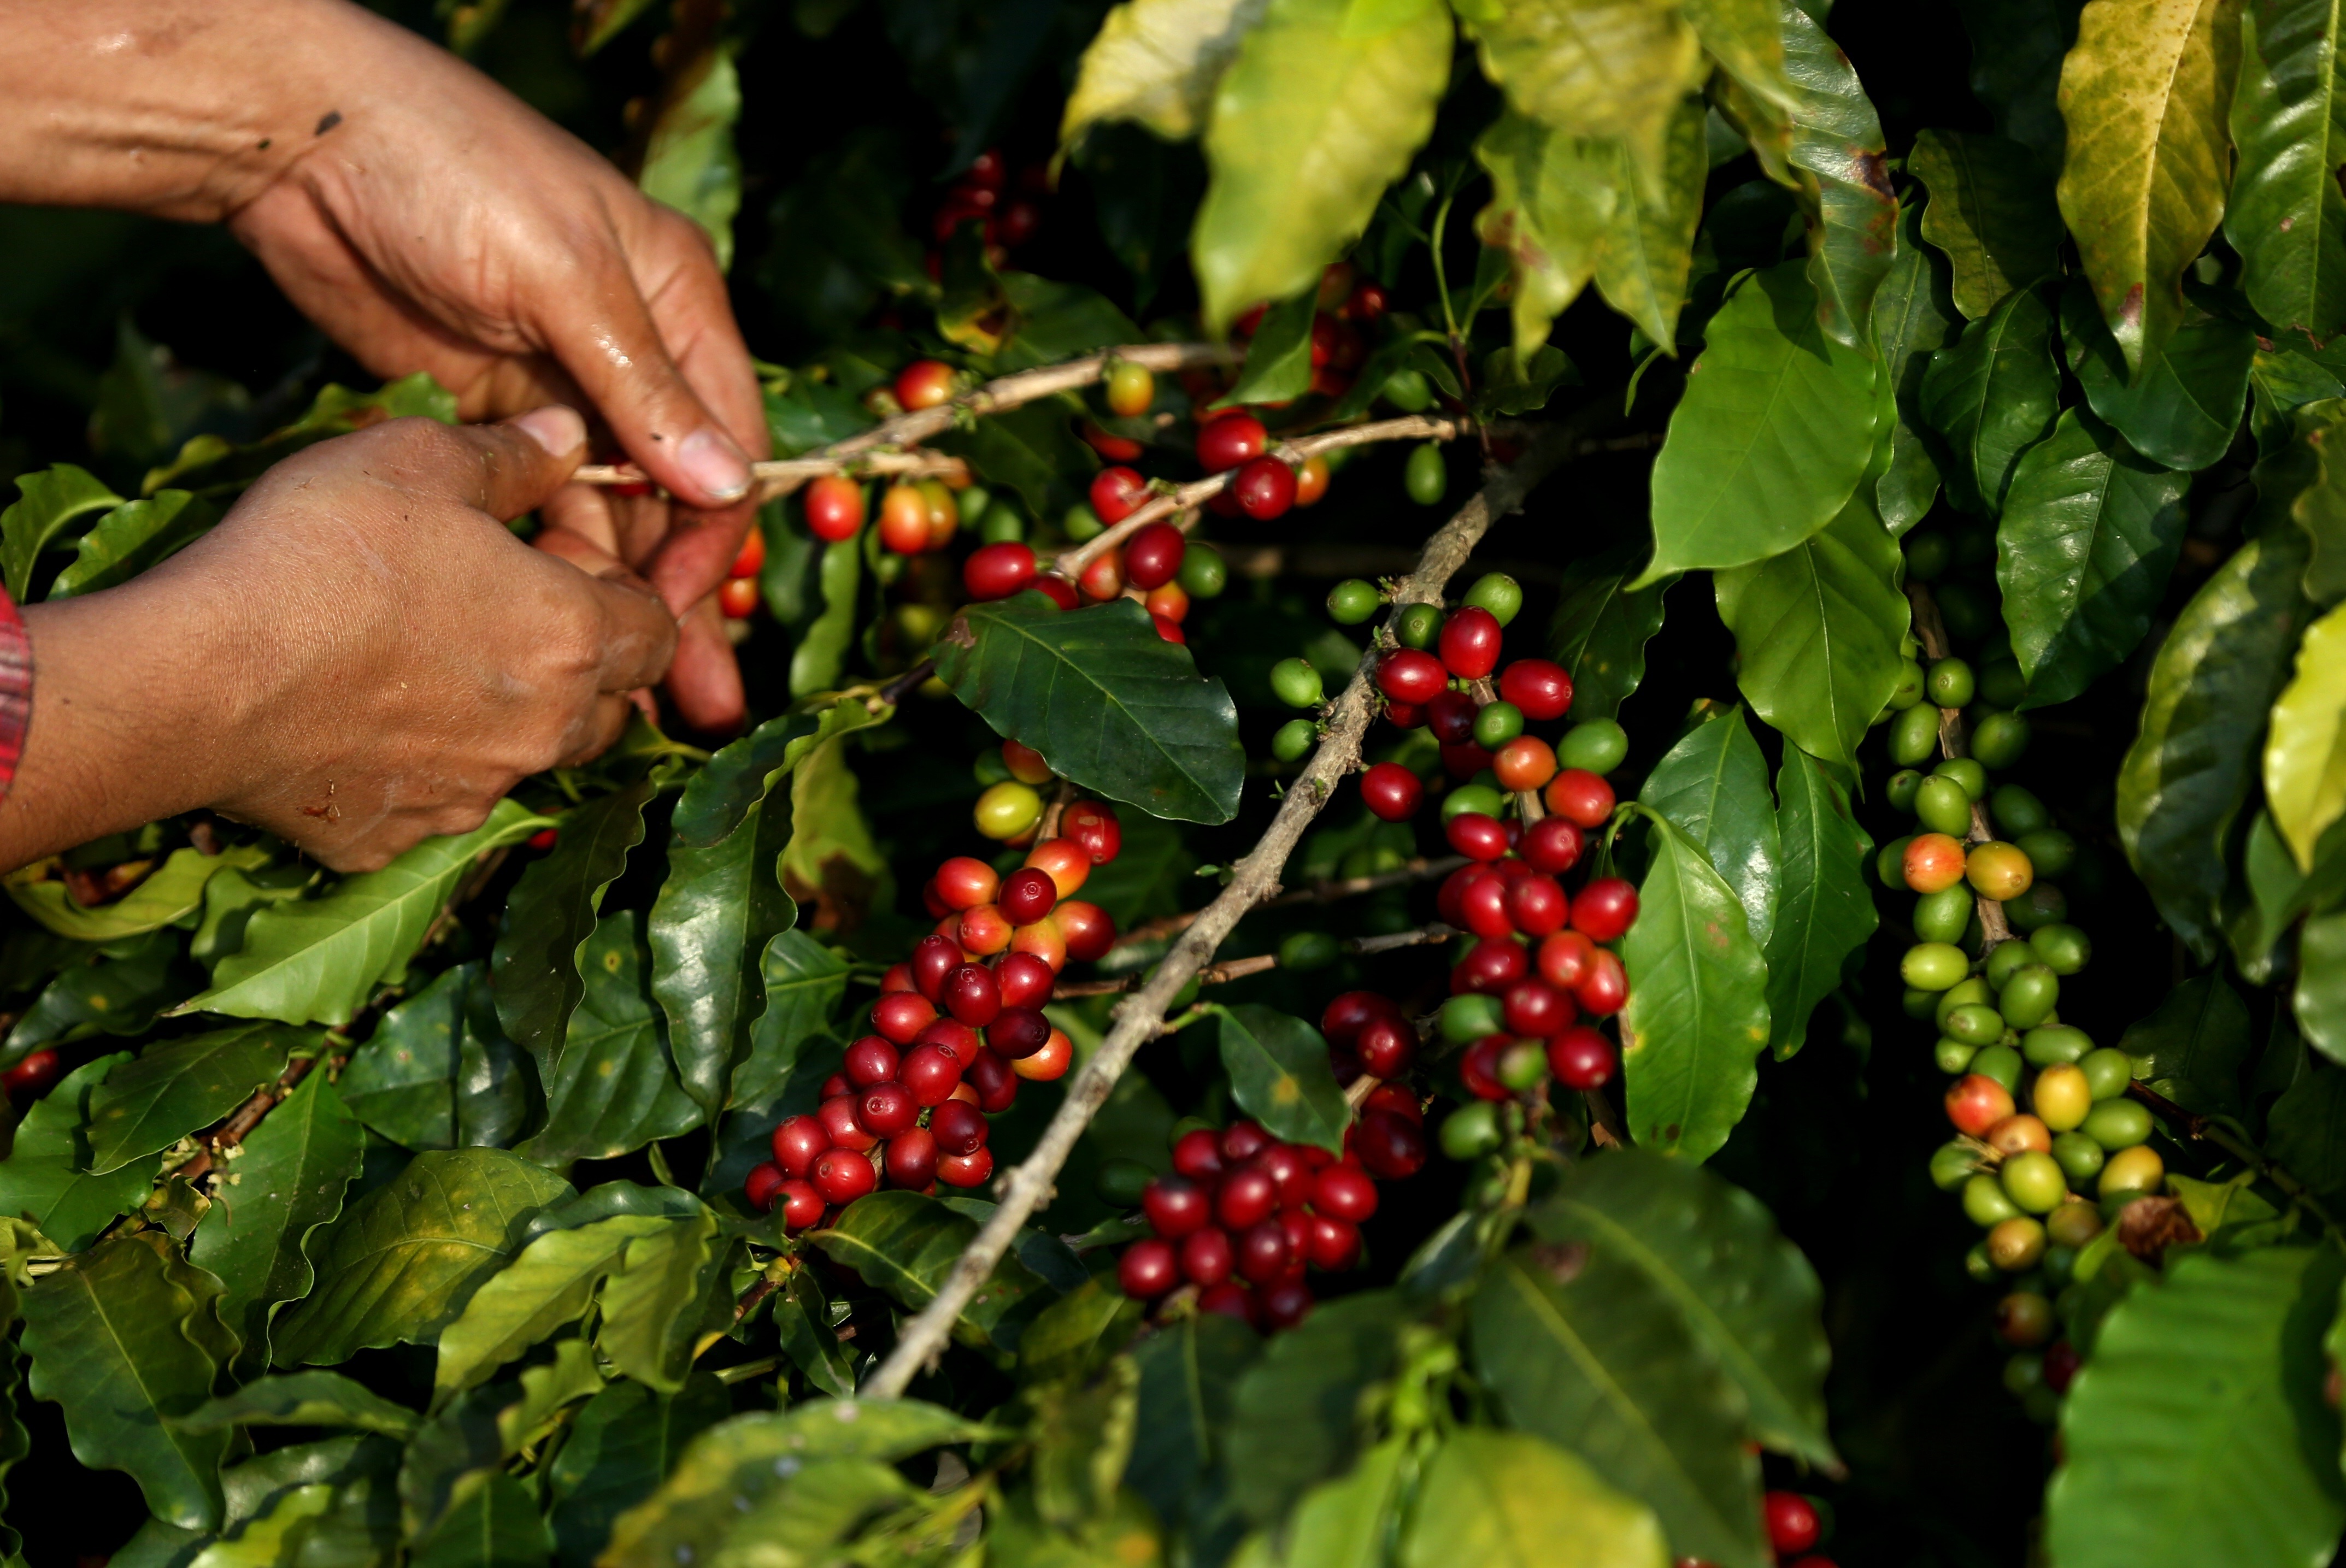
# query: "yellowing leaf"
x,y
2305,751
2146,92
1157,61
1604,68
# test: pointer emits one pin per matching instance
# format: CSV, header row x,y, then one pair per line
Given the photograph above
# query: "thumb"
x,y
515,464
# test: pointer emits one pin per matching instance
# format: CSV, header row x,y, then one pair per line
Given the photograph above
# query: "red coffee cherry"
x,y
1605,989
1341,1019
1284,1303
797,1142
1147,1270
763,1186
1396,1098
1469,641
952,1035
1535,1008
1206,1258
1027,895
1265,488
1169,629
1018,1033
1116,494
1478,1069
1386,1046
842,1175
1580,796
1553,844
1537,904
1791,1522
1058,589
934,958
911,1157
1391,791
1580,1058
1334,1245
1543,690
1247,1197
1228,440
1404,715
959,1127
930,1073
801,1206
1088,931
900,1015
1241,1141
1152,556
965,883
1605,909
923,383
1476,836
1412,675
997,571
1565,959
1482,904
1263,1251
1462,762
1092,826
1389,1145
965,1170
1289,1171
834,508
885,1110
1490,966
972,995
995,1083
1230,1300
1176,1205
871,1060
1344,1192
1451,716
1025,980
1197,1154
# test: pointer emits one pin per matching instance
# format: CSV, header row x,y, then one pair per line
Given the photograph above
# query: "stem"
x,y
1239,968
2209,1130
1024,1187
777,476
1955,741
1416,870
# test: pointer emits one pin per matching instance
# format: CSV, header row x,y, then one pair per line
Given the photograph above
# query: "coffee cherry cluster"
x,y
960,1022
1243,1215
737,595
985,195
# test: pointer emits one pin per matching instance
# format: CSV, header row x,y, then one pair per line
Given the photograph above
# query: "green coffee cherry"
x,y
1952,1165
1915,736
1974,989
2016,812
2079,1156
2009,959
1496,723
1986,1202
1944,806
1949,683
1304,950
1294,741
1932,966
1499,593
2050,850
988,768
1929,554
2108,1072
1523,1064
1901,789
1002,524
2000,740
2116,1123
1425,476
1466,1018
2065,948
1480,798
2035,1182
1204,573
1967,772
1418,626
1295,683
1908,690
1597,745
1409,391
1472,1131
2000,1063
2049,1044
1942,916
1976,1024
1353,601
2028,998
2041,905
1081,523
1889,863
2000,684
1953,1057
1980,1266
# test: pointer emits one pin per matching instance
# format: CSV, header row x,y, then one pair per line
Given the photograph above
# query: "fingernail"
x,y
714,464
557,429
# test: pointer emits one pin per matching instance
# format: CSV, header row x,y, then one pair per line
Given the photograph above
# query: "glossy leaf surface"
x,y
181,1086
907,1244
46,1174
1824,910
1713,787
534,971
615,1091
1990,395
1510,1500
1991,212
1278,1073
2287,215
2184,409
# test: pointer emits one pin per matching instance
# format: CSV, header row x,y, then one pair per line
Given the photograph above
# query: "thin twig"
x,y
1417,870
2210,1130
246,1117
1239,968
1953,742
1024,1187
777,476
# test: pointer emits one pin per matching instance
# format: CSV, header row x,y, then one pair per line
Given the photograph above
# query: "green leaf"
x,y
689,161
2016,49
121,995
1074,1336
831,860
2235,1461
613,1091
181,1086
1027,450
1508,1500
1746,1295
2184,408
804,982
49,503
1189,1374
1600,631
1582,1346
1057,320
906,1245
1713,787
1279,1073
492,1521
279,1531
1770,438
1278,365
1295,1422
549,1284
1819,633
1698,1012
403,1261
1157,62
438,1071
717,912
2287,215
649,1316
131,538
821,653
2193,1045
2089,537
1346,1522
44,1175
1082,1431
719,798
1603,70
2187,774
302,1399
2305,1131
801,1321
288,1179
318,960
1825,910
1914,312
533,968
1321,110
171,892
2305,750
1991,394
1991,211
622,1445
113,1339
1112,706
2318,999
2144,91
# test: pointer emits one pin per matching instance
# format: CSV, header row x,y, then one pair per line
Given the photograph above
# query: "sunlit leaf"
x,y
438,1071
2286,214
49,503
170,892
689,161
1508,1500
906,1245
1713,787
1610,70
46,1174
1991,212
311,1399
1157,62
181,1086
132,537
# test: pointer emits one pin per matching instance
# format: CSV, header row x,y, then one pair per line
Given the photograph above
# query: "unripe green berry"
x,y
1499,593
1975,1024
2017,811
1889,863
1418,626
2000,1063
1932,966
1295,683
1953,1057
1409,391
972,503
1497,723
1972,990
2108,1072
1909,690
1466,1018
1308,950
2028,998
1949,683
1928,555
2041,905
1002,524
1952,1165
2000,684
1915,736
1942,805
1472,1131
1204,573
1999,740
1481,798
1426,475
1901,788
2079,1156
1081,523
2050,1044
1967,772
1597,745
2009,959
1942,916
2116,1123
2050,850
1353,600
1523,1065
1294,741
1986,1202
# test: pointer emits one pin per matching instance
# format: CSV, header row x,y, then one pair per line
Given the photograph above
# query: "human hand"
x,y
440,224
359,655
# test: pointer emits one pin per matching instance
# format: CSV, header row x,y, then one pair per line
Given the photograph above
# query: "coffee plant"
x,y
1530,782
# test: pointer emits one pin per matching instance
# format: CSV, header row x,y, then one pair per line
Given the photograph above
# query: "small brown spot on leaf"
x,y
2130,312
959,635
1562,1261
2148,1226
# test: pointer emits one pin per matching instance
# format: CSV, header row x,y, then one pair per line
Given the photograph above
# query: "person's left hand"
x,y
441,225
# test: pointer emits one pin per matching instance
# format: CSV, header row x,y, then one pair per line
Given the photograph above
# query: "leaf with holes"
x,y
1278,1073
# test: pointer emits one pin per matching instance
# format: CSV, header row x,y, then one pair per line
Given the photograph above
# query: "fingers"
x,y
635,634
514,466
704,684
613,712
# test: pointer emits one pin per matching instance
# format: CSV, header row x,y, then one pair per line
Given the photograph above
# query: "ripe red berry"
x,y
1018,1033
1396,1098
1265,488
1389,1145
1197,1154
1605,909
1451,716
737,599
836,1086
763,1186
834,508
1391,792
1206,1255
1462,762
1241,1141
934,958
905,520
923,383
1386,1046
1093,827
1553,844
965,1170
1228,440
1605,989
930,1073
1171,630
31,1073
871,1060
885,1110
1284,1303
1116,494
995,1083
1791,1522
1470,643
1289,1171
1025,980
1230,1300
801,1206
1147,1270
1058,589
752,558
1027,895
1263,1251
1176,1205
797,1142
1341,1019
1543,690
1344,1192
972,995
911,1157
1580,1058
842,1175
1412,675
959,1127
1404,715
951,1035
998,571
1537,904
2061,1364
1247,1197
900,1015
1476,836
1565,959
1535,1008
1088,930
1483,904
1580,796
1153,555
1332,1244
1478,1068
1490,966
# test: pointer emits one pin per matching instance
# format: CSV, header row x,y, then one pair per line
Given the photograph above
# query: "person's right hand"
x,y
359,655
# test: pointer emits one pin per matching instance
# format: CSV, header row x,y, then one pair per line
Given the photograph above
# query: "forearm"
x,y
183,108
